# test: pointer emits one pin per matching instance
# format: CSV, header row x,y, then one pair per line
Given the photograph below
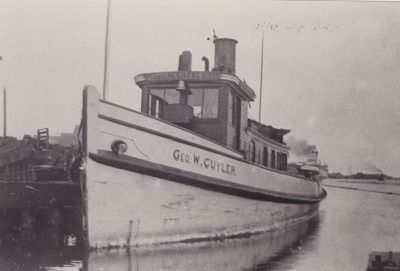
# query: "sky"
x,y
331,69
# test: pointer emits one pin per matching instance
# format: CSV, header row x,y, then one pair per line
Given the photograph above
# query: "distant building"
x,y
369,176
336,175
67,140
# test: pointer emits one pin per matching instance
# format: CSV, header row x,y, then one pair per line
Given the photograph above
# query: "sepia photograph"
x,y
199,135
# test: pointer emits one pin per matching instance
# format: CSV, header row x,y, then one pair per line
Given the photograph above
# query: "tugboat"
x,y
311,168
383,261
191,166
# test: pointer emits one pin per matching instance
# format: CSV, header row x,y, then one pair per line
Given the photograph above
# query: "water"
x,y
352,223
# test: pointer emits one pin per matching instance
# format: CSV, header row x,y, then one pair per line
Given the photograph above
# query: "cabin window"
x,y
279,161
273,159
284,158
253,151
204,102
166,95
230,109
171,96
282,161
155,106
265,157
160,97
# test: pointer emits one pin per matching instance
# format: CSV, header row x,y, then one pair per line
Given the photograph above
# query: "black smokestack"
x,y
185,61
225,55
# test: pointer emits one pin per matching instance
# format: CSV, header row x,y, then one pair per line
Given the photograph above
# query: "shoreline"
x,y
390,187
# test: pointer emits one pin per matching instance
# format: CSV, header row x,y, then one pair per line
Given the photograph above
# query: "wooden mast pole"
x,y
106,53
261,75
4,109
5,112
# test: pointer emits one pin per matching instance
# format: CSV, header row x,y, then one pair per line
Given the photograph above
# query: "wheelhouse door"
x,y
237,112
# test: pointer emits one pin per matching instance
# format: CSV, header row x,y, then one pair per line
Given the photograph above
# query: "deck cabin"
x,y
215,105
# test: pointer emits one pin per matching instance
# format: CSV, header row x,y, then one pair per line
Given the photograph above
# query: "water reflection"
x,y
255,253
38,250
283,259
53,249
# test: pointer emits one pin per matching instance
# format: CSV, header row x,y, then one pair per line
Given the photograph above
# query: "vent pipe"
x,y
206,63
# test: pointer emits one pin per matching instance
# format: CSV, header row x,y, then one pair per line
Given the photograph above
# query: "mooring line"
x,y
365,190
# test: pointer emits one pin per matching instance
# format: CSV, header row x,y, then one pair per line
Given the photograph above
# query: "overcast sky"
x,y
331,69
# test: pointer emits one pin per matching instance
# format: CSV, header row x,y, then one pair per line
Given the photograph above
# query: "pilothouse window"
x,y
167,95
204,102
160,97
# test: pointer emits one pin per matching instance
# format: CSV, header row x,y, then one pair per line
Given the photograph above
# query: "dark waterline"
x,y
352,223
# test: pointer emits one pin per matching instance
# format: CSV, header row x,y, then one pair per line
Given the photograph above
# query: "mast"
x,y
4,109
261,75
106,53
5,112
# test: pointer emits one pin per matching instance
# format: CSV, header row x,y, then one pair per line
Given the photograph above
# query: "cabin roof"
x,y
267,130
247,89
195,76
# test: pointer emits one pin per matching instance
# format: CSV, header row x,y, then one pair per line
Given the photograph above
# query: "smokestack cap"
x,y
226,40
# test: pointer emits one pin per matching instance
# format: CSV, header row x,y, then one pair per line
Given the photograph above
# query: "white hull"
x,y
162,211
172,185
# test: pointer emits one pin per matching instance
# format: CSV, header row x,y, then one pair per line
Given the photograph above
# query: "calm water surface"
x,y
352,223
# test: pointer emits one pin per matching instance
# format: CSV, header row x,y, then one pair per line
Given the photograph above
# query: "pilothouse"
x,y
215,105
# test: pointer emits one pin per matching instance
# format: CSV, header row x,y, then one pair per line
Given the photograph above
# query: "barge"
x,y
190,166
39,182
